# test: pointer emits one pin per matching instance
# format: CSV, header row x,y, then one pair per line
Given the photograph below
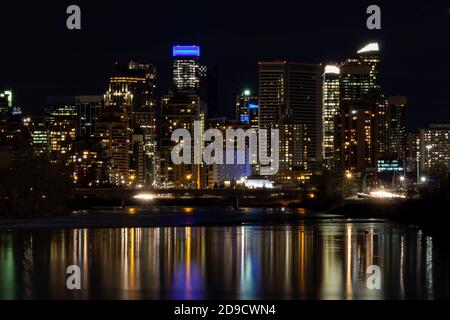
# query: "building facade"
x,y
88,111
292,92
331,98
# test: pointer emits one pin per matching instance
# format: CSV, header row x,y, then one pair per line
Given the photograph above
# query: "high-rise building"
x,y
293,153
112,128
247,109
6,100
292,92
356,139
357,125
133,88
186,67
61,126
369,56
39,136
397,126
331,98
180,110
435,149
209,90
88,110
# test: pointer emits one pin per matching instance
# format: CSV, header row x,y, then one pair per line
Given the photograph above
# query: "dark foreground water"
x,y
323,259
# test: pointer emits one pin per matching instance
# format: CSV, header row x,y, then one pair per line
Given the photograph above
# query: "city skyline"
x,y
346,122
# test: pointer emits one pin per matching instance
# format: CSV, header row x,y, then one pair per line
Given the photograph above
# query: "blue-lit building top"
x,y
186,51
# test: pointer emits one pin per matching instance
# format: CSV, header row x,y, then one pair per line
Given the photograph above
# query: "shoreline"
x,y
155,217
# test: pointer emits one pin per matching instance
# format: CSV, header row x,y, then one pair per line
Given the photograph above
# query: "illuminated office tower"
x,y
39,136
331,80
247,113
5,104
186,67
112,129
180,110
435,149
61,126
293,153
357,136
354,140
290,91
397,126
88,110
369,56
247,109
133,89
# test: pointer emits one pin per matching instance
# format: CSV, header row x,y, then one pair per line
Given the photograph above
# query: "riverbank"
x,y
153,216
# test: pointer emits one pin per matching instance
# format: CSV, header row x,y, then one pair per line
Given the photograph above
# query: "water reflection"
x,y
321,260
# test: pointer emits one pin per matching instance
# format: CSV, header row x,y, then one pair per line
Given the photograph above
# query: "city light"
x,y
186,51
385,194
144,196
332,69
370,47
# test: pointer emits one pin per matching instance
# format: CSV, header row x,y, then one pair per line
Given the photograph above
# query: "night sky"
x,y
40,57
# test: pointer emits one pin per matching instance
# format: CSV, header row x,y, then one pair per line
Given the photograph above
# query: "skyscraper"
x,y
88,110
247,108
186,67
331,97
133,89
397,126
39,136
292,92
209,90
180,108
357,125
61,126
5,104
112,129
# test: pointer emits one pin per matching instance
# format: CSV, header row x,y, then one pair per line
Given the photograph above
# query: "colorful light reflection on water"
x,y
317,260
